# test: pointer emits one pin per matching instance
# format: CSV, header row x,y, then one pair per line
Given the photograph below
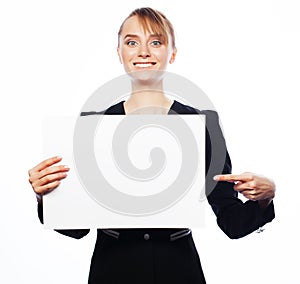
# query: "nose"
x,y
144,51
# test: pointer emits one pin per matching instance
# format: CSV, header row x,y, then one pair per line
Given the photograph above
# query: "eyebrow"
x,y
136,36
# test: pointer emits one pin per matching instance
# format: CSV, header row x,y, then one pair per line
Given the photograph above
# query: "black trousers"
x,y
142,256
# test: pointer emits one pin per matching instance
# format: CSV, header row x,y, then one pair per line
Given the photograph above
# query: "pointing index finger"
x,y
233,178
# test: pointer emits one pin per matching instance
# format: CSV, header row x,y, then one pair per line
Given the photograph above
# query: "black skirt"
x,y
145,256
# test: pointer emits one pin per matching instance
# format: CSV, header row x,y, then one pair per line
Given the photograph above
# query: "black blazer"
x,y
234,217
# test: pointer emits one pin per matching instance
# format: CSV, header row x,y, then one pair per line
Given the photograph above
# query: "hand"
x,y
45,177
252,186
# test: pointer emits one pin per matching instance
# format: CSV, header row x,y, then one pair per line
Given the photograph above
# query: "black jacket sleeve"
x,y
76,233
234,217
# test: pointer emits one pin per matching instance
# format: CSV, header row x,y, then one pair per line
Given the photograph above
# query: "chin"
x,y
146,77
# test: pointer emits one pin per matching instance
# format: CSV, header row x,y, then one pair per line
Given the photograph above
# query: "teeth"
x,y
143,65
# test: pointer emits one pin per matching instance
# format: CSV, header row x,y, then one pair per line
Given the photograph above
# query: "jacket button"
x,y
146,237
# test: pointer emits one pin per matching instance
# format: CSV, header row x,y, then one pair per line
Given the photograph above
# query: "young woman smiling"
x,y
146,46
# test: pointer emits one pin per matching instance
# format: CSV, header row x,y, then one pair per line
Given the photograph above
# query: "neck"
x,y
148,98
148,94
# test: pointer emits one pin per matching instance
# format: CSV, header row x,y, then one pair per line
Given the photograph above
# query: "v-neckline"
x,y
169,111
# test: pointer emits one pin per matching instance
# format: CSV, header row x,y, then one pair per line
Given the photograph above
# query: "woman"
x,y
146,45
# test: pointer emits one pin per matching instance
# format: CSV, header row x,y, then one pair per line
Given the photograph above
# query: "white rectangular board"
x,y
131,193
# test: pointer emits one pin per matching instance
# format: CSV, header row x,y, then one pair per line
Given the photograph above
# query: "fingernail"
x,y
216,177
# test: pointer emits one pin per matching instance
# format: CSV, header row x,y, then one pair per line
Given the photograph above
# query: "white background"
x,y
245,57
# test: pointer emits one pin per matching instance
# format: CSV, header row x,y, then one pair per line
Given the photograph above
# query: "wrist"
x,y
264,203
39,197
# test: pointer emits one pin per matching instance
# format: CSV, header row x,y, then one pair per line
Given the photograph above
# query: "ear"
x,y
173,55
119,55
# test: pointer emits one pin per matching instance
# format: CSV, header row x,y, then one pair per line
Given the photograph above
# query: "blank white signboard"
x,y
130,171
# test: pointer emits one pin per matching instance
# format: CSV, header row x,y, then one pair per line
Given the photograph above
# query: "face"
x,y
143,51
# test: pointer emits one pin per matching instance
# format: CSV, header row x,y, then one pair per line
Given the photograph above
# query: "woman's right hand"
x,y
45,177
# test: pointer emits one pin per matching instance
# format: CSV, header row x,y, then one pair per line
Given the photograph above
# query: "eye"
x,y
131,43
156,43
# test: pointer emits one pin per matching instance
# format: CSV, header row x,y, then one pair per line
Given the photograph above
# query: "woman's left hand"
x,y
252,186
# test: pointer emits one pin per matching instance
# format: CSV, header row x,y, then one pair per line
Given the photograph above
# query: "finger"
x,y
234,178
251,195
258,194
46,163
54,169
48,171
48,179
47,187
249,185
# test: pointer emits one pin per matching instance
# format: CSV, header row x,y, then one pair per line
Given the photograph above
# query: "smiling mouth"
x,y
144,64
